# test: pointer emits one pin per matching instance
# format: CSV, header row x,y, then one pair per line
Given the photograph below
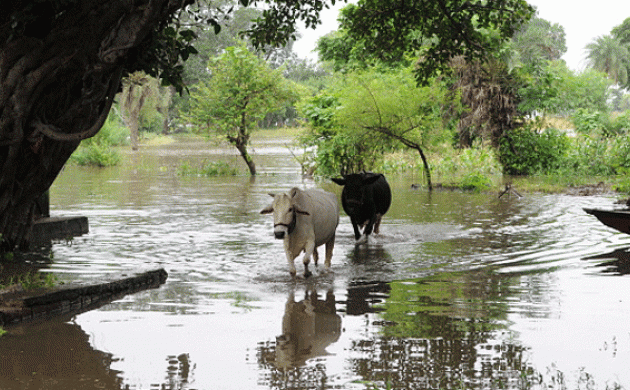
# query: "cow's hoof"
x,y
307,274
362,240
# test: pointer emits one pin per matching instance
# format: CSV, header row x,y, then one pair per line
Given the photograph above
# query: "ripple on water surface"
x,y
457,286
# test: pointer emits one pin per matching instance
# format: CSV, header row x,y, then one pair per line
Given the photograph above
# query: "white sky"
x,y
583,21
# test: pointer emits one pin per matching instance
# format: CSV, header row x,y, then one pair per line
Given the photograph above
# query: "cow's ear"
x,y
272,194
371,180
297,210
267,210
340,181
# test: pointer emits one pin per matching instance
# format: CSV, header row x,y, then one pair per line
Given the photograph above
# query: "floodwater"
x,y
460,290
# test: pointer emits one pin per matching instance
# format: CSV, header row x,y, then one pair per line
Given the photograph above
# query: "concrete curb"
x,y
18,307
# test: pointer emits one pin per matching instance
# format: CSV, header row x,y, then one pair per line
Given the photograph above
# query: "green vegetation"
x,y
98,151
463,122
242,91
31,281
526,151
208,169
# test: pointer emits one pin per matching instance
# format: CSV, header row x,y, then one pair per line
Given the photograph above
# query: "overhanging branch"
x,y
57,134
408,143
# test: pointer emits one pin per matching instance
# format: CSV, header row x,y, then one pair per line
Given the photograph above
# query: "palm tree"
x,y
609,55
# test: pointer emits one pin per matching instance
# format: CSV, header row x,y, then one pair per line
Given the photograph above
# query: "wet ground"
x,y
459,291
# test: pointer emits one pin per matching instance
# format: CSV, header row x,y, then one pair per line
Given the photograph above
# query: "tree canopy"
x,y
61,64
241,91
433,30
540,40
622,34
609,55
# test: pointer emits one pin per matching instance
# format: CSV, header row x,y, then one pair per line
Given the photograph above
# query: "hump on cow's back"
x,y
369,175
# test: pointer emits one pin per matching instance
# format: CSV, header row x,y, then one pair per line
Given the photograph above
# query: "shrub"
x,y
588,122
587,156
524,151
622,186
114,132
620,124
463,161
476,182
98,151
597,156
96,154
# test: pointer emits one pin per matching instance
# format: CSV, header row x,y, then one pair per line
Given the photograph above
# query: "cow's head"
x,y
354,189
284,212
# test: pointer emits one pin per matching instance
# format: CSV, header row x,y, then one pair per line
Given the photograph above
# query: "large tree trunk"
x,y
59,72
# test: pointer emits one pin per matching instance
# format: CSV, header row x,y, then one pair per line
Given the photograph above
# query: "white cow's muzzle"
x,y
280,230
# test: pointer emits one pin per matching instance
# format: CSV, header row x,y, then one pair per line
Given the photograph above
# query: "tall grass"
x,y
475,168
583,160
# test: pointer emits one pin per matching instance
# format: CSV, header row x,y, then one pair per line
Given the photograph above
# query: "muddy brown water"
x,y
460,290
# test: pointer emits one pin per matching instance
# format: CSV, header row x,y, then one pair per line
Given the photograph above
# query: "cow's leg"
x,y
290,258
377,224
308,251
355,226
329,250
315,256
368,228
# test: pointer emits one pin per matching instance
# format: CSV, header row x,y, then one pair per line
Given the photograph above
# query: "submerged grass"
x,y
239,299
208,169
279,132
154,139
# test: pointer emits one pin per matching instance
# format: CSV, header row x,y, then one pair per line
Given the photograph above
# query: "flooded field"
x,y
459,291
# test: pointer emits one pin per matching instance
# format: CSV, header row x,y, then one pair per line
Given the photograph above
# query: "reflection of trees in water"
x,y
178,372
443,331
308,327
408,363
58,355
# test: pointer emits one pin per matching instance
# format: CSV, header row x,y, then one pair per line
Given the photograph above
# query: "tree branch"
x,y
57,134
408,143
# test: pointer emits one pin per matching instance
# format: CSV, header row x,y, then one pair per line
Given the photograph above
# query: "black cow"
x,y
366,197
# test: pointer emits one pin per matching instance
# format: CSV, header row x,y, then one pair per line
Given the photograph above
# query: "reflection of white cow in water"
x,y
308,327
305,220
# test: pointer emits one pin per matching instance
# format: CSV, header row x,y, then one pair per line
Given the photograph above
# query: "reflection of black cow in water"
x,y
366,197
308,327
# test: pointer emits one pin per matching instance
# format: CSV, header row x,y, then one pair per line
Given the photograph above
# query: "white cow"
x,y
305,220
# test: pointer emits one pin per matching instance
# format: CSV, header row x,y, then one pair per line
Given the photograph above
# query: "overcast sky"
x,y
583,21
